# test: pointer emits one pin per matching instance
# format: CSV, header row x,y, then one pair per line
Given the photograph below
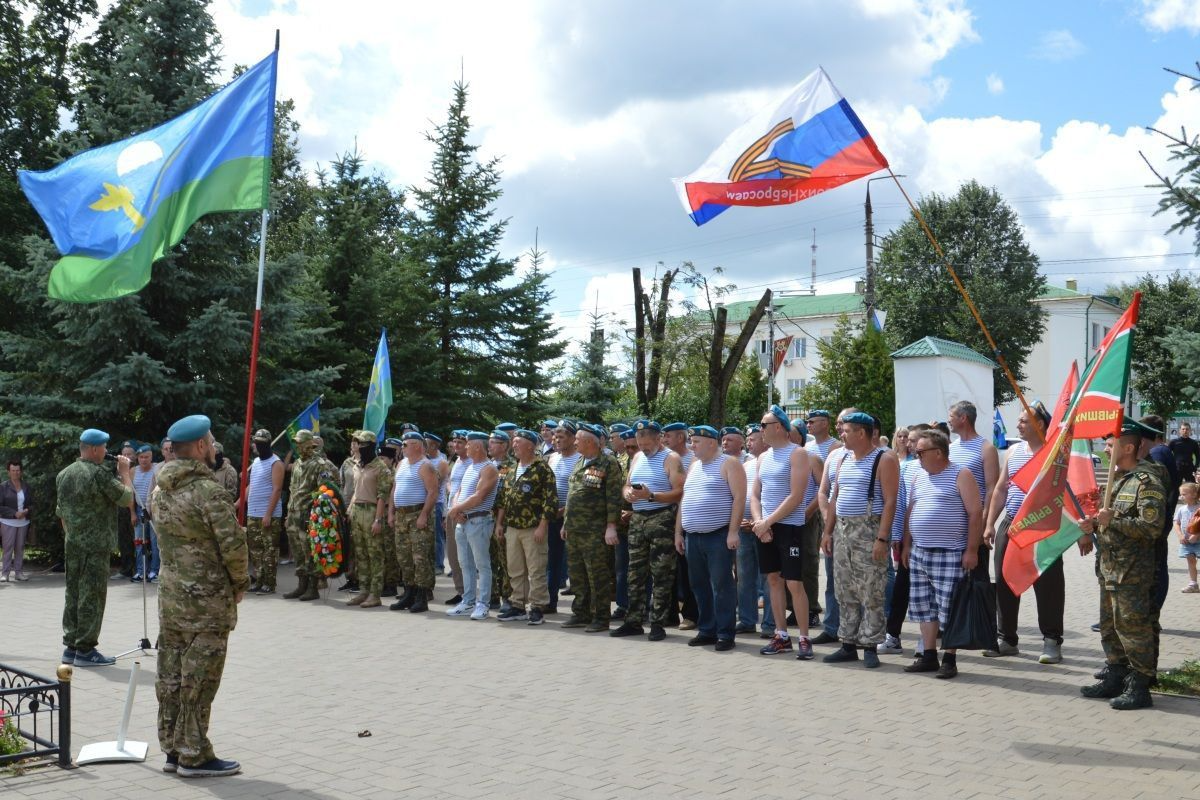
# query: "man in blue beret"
x,y
733,443
547,432
675,438
562,462
499,450
471,511
87,495
441,466
206,572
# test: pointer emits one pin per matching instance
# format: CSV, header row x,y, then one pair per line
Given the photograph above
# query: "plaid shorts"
x,y
933,573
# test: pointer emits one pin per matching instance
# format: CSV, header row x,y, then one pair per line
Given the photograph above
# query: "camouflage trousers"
x,y
810,544
263,543
87,592
392,573
501,586
1127,628
414,549
590,562
368,548
190,664
297,531
859,580
652,559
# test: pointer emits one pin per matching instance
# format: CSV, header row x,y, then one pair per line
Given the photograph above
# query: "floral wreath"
x,y
324,531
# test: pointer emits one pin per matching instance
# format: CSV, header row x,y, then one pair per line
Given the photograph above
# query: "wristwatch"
x,y
651,497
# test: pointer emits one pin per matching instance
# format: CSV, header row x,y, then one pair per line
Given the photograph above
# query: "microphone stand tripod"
x,y
143,646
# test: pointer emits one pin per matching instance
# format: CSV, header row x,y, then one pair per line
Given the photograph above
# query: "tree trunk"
x,y
639,343
658,335
721,375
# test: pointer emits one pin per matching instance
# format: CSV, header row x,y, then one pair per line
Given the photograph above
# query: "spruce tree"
x,y
534,348
591,387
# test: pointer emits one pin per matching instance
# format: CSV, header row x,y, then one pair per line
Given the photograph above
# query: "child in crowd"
x,y
1189,544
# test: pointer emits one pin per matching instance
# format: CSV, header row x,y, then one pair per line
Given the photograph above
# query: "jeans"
x,y
556,557
833,615
748,579
142,531
439,541
473,537
710,569
622,557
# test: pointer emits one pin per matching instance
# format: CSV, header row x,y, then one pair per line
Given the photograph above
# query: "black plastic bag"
x,y
971,623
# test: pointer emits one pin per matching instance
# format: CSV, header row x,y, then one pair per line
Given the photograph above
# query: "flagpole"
x,y
962,289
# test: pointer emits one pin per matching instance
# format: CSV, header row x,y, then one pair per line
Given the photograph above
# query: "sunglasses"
x,y
920,450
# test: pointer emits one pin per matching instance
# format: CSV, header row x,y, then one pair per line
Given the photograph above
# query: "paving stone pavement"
x,y
464,709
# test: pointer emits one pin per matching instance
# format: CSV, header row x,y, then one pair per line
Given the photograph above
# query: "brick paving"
x,y
463,709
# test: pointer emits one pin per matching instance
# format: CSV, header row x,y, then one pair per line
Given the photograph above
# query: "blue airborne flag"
x,y
379,393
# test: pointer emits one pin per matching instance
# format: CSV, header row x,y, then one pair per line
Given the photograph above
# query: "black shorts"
x,y
784,553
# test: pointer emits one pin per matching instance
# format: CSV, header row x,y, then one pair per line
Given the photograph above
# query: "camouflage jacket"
x,y
347,473
1126,544
204,555
227,478
594,495
383,477
307,475
530,498
87,494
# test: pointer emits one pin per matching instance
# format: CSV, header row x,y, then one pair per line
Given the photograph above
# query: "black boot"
x,y
1136,695
1111,685
310,590
301,588
420,602
405,601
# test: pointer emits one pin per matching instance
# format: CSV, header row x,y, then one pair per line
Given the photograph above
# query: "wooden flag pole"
x,y
962,289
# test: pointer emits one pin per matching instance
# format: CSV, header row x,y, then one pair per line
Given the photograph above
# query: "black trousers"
x,y
1050,590
899,604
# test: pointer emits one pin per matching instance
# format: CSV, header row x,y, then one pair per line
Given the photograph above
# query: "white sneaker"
x,y
4,578
481,611
21,576
1051,652
460,610
891,645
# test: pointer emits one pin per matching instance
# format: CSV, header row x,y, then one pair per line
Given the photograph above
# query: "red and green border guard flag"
x,y
1059,487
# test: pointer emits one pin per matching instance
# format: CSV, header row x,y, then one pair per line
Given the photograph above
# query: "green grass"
x,y
1184,679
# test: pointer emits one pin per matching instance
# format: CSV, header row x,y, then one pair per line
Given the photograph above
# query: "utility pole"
x,y
869,287
770,347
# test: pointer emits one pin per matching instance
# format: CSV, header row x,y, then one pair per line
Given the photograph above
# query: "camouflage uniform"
x,y
415,546
264,549
527,501
392,572
501,585
227,478
307,474
87,493
368,547
593,503
204,568
1125,567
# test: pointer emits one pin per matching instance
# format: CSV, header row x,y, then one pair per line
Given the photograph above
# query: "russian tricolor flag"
x,y
809,143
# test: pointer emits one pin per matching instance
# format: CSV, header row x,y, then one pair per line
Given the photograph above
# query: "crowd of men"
x,y
655,525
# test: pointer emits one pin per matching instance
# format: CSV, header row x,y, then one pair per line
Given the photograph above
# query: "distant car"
x,y
1096,462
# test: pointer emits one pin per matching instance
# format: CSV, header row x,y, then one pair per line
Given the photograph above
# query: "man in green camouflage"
x,y
225,475
205,574
368,515
87,495
1126,534
393,572
590,522
411,515
527,506
309,472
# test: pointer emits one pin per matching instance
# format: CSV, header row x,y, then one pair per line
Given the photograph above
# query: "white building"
x,y
1076,323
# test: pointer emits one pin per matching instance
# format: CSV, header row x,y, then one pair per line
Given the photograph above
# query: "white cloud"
x,y
1058,46
995,84
1167,15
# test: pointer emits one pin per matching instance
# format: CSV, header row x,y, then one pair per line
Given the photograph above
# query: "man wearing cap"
x,y
857,535
87,495
309,472
264,512
625,451
777,513
471,512
590,528
410,515
675,437
1126,534
548,439
750,583
368,513
819,448
458,444
528,504
653,487
205,575
391,451
433,451
498,451
562,463
710,513
733,443
225,474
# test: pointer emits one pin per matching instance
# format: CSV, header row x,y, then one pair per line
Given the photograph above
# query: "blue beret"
x,y
522,433
618,427
567,425
412,436
433,437
477,436
190,429
507,427
799,427
647,425
753,427
93,437
629,434
707,431
393,441
730,429
594,430
859,418
458,433
674,426
145,449
501,435
781,415
819,412
550,423
409,426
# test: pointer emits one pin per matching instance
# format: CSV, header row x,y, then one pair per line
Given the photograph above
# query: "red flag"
x,y
781,348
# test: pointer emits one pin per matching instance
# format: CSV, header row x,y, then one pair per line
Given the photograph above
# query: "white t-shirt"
x,y
1184,514
18,523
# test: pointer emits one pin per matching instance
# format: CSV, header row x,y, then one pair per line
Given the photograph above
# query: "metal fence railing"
x,y
41,711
